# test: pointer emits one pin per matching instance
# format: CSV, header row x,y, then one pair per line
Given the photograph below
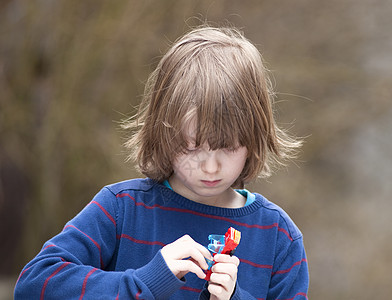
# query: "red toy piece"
x,y
224,244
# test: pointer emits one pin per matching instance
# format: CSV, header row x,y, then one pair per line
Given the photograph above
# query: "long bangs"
x,y
210,96
220,124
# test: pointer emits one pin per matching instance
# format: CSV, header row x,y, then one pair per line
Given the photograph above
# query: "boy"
x,y
205,127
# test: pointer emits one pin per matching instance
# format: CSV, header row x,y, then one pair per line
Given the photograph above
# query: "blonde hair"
x,y
217,77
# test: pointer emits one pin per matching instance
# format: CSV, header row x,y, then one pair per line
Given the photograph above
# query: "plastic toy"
x,y
224,244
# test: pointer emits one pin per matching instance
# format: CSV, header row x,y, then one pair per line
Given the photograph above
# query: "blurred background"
x,y
70,71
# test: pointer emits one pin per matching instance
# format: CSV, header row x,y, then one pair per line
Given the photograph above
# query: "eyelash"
x,y
194,150
231,149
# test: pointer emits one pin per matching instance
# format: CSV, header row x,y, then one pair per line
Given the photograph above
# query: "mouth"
x,y
211,183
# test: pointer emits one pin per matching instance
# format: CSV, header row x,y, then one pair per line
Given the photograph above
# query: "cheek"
x,y
241,154
184,162
177,162
239,159
240,164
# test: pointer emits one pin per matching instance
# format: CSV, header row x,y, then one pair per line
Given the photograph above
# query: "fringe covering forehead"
x,y
218,89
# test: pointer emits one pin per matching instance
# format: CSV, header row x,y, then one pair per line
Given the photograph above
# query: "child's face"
x,y
205,175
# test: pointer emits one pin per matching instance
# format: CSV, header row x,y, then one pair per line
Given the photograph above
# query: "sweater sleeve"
x,y
290,279
72,264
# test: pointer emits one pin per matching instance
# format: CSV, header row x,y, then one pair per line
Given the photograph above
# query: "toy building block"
x,y
223,244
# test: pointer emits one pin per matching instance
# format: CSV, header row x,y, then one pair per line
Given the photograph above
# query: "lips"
x,y
211,183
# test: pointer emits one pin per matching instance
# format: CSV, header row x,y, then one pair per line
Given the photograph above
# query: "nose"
x,y
210,164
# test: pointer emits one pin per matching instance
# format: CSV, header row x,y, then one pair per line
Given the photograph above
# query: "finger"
x,y
217,291
203,264
189,243
225,268
204,251
196,256
185,238
222,279
225,258
189,266
221,286
188,240
186,247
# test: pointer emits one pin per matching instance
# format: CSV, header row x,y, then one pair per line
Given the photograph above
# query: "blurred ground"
x,y
7,288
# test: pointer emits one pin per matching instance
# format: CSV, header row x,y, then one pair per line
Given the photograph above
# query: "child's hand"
x,y
224,277
185,255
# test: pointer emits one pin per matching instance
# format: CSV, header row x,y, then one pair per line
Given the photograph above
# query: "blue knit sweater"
x,y
111,249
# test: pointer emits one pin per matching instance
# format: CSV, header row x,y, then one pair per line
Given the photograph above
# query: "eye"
x,y
231,149
192,150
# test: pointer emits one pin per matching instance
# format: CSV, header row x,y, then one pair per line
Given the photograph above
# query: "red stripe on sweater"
x,y
285,232
50,277
298,294
126,236
91,239
138,295
254,264
104,211
182,210
188,288
85,282
289,269
48,246
21,274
